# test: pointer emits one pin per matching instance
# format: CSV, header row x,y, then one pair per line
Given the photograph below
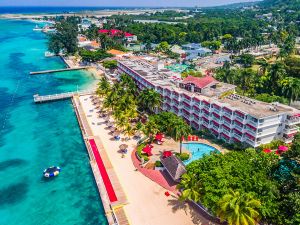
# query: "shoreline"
x,y
96,13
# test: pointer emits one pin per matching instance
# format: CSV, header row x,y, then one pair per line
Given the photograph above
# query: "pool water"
x,y
177,67
198,150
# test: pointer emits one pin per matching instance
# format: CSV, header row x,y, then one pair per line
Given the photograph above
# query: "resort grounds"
x,y
146,202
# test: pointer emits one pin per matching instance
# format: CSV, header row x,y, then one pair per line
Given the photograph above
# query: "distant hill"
x,y
281,4
235,5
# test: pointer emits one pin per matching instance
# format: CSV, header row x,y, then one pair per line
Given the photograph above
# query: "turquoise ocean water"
x,y
33,137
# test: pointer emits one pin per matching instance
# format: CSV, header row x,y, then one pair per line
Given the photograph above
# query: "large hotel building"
x,y
207,103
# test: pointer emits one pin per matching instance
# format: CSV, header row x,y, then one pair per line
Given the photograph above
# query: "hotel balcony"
x,y
228,115
250,131
252,123
250,142
228,133
293,121
241,119
206,124
237,136
217,111
229,125
219,129
291,129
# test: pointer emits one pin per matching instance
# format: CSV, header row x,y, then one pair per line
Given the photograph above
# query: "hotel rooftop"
x,y
211,90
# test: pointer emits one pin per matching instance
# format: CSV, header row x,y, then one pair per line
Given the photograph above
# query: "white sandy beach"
x,y
147,204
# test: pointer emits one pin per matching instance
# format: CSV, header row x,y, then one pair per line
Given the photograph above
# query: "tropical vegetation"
x,y
247,187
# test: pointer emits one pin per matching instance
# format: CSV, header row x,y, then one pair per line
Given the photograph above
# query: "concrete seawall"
x,y
86,132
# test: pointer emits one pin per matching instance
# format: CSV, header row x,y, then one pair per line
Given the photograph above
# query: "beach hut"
x,y
174,167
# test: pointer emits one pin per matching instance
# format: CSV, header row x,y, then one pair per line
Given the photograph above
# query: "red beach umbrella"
x,y
159,137
267,150
167,154
147,150
283,148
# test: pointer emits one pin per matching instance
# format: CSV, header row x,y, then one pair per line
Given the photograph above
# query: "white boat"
x,y
37,28
49,54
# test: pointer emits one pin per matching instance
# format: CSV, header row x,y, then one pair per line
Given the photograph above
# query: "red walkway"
x,y
161,178
109,188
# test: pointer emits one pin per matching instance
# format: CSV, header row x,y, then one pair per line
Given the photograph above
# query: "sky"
x,y
106,3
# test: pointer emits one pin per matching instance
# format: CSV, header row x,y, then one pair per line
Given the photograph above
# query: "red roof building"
x,y
116,32
199,82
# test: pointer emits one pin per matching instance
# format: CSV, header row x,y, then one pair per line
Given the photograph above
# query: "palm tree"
x,y
263,67
149,99
291,88
150,128
129,130
276,74
103,87
238,209
122,122
190,188
180,129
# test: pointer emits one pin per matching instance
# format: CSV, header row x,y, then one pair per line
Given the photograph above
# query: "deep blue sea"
x,y
36,136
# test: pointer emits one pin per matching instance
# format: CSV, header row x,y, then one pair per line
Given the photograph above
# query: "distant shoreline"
x,y
96,13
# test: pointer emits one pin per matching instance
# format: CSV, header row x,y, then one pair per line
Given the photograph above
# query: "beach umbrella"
x,y
159,137
110,124
123,146
117,133
138,133
283,148
106,118
167,154
147,150
267,150
112,129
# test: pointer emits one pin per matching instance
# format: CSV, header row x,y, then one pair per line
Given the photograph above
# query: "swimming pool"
x,y
197,150
177,67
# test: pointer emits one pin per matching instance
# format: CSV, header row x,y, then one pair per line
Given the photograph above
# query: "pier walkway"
x,y
59,70
55,97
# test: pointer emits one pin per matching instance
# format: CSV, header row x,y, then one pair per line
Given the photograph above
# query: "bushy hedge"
x,y
183,156
140,153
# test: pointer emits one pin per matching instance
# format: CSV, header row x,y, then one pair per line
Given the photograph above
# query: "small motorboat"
x,y
52,171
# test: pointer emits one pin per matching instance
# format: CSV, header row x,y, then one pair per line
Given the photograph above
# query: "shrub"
x,y
140,154
158,164
183,156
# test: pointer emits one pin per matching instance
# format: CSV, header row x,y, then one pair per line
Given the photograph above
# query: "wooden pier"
x,y
55,97
59,70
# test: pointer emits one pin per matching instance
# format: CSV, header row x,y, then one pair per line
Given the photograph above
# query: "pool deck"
x,y
146,200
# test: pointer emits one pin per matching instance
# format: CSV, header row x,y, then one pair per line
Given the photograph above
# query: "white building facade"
x,y
232,118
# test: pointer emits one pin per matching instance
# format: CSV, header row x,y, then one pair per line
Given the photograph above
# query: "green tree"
x,y
103,87
291,88
179,130
163,47
110,64
190,188
246,60
65,37
212,45
149,100
239,209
